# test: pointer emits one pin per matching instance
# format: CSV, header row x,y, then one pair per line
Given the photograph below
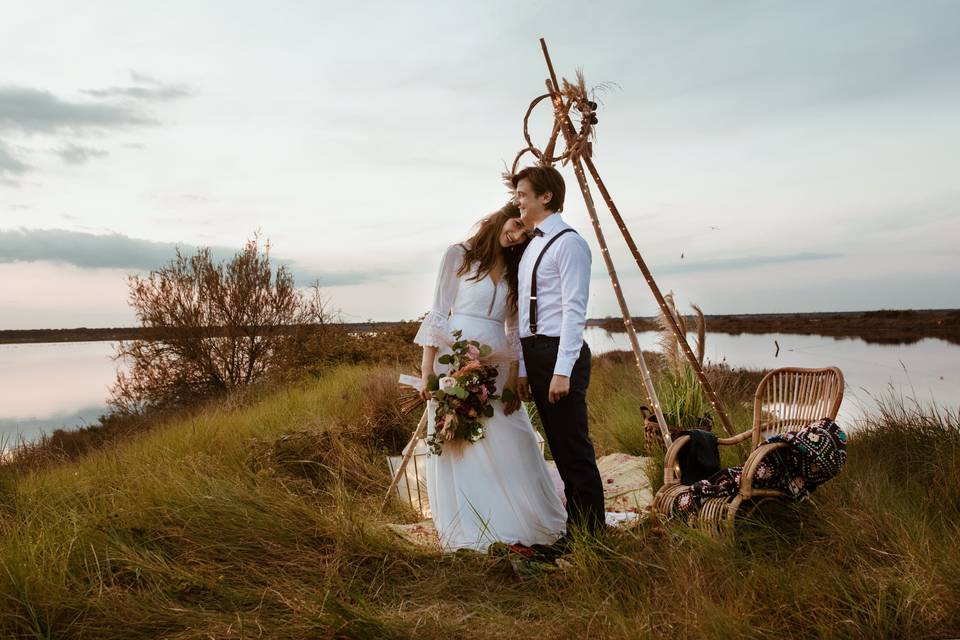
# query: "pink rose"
x,y
473,352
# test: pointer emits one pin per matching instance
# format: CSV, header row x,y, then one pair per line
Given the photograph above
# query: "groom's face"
x,y
531,205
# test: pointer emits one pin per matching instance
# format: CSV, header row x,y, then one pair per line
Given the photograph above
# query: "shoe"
x,y
522,550
550,552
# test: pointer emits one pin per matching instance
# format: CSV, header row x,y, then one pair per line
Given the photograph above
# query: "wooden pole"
x,y
417,434
548,150
681,337
608,261
569,132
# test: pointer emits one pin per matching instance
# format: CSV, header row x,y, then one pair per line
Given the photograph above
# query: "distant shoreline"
x,y
884,326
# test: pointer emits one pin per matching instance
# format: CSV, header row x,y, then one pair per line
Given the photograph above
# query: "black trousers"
x,y
565,425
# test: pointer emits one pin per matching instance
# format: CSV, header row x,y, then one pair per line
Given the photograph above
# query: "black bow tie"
x,y
536,233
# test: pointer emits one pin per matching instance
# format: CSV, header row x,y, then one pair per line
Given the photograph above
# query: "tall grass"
x,y
616,395
262,520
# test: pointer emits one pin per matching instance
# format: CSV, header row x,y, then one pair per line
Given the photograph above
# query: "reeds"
x,y
682,399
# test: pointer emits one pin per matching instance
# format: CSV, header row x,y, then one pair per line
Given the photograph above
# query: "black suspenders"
x,y
533,282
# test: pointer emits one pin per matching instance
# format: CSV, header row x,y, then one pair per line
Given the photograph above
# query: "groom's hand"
x,y
523,389
512,404
559,387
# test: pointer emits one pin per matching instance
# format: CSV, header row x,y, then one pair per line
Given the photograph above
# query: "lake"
x,y
927,371
53,385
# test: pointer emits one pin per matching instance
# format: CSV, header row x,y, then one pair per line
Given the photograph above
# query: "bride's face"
x,y
512,233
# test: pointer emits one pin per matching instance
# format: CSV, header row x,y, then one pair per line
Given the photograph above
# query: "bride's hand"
x,y
424,385
426,371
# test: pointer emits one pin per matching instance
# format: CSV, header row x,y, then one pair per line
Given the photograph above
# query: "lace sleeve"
x,y
433,330
512,328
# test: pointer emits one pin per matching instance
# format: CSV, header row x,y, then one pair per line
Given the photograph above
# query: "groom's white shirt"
x,y
563,285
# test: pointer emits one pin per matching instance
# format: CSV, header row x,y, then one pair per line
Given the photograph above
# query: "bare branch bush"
x,y
221,326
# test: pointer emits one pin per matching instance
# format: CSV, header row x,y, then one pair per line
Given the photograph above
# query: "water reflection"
x,y
48,386
927,370
14,430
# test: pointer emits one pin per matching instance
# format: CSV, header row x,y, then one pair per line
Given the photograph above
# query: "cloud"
x,y
29,111
35,111
140,93
77,154
10,165
118,251
156,90
143,78
746,262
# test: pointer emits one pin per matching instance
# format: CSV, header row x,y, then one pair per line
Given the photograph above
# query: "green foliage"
x,y
682,399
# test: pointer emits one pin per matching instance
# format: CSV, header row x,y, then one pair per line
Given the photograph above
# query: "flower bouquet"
x,y
463,394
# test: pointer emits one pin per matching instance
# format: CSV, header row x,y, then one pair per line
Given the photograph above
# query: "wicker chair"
x,y
786,399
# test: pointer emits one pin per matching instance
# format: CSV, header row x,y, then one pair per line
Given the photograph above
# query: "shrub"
x,y
218,327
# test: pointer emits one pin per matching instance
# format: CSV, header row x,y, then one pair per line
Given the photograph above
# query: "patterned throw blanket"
x,y
815,454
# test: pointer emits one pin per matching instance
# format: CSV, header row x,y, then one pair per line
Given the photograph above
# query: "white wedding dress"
x,y
499,488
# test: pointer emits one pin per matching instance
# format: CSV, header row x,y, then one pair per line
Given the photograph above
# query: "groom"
x,y
554,281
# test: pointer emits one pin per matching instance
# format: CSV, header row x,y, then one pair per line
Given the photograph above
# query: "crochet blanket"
x,y
815,454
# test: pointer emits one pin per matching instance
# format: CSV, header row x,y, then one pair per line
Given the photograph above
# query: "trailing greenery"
x,y
261,519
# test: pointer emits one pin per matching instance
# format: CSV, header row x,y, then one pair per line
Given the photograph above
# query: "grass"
x,y
261,519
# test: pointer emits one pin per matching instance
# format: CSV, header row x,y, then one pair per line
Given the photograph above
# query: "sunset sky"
x,y
768,156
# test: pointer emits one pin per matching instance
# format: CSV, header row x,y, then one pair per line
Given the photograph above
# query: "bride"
x,y
497,489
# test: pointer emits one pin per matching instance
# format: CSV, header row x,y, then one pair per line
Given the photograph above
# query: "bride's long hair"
x,y
484,247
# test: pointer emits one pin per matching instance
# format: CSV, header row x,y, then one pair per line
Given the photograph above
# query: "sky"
x,y
767,156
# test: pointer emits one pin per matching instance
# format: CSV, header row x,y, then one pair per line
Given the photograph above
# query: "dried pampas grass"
x,y
669,345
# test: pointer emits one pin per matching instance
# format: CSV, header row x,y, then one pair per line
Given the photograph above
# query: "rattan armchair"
x,y
786,399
